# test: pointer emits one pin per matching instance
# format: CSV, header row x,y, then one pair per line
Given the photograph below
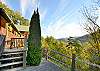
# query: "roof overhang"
x,y
4,15
22,28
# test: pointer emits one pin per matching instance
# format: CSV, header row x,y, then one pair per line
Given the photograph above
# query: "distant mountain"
x,y
82,38
63,39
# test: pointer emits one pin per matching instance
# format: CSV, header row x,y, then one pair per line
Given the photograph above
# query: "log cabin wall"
x,y
8,28
3,29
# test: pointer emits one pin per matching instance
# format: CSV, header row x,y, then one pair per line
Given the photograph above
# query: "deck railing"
x,y
15,43
53,55
16,56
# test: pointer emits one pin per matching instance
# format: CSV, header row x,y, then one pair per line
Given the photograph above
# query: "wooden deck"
x,y
44,66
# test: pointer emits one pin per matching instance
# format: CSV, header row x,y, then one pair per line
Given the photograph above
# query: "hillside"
x,y
82,38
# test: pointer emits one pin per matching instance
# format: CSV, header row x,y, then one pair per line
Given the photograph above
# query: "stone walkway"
x,y
44,66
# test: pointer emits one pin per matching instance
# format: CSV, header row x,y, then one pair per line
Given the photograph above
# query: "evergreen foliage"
x,y
34,41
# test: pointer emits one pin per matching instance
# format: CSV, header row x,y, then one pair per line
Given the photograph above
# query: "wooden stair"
x,y
13,59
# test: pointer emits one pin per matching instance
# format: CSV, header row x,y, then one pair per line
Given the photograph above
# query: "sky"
x,y
58,18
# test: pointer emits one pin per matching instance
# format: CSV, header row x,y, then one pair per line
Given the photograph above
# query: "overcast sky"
x,y
59,18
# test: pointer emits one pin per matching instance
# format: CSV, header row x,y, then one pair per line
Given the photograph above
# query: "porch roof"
x,y
22,28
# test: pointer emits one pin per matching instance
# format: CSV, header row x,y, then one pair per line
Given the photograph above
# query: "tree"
x,y
91,26
14,15
34,41
75,47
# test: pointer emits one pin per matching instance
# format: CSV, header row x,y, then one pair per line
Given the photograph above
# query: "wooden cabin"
x,y
16,55
8,28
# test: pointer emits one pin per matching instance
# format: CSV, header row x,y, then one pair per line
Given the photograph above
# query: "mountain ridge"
x,y
83,38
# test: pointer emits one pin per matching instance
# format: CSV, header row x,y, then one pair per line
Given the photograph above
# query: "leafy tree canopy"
x,y
14,15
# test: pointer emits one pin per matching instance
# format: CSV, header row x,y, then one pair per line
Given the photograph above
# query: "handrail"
x,y
73,58
61,54
89,63
60,61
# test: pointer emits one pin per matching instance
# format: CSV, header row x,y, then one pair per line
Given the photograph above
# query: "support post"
x,y
25,52
25,44
14,42
11,45
24,59
46,53
73,62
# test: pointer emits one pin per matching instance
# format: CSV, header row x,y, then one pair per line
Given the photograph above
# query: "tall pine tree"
x,y
34,40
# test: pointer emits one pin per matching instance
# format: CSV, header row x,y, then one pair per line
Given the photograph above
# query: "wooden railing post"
x,y
25,43
46,53
11,44
73,62
25,52
24,58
